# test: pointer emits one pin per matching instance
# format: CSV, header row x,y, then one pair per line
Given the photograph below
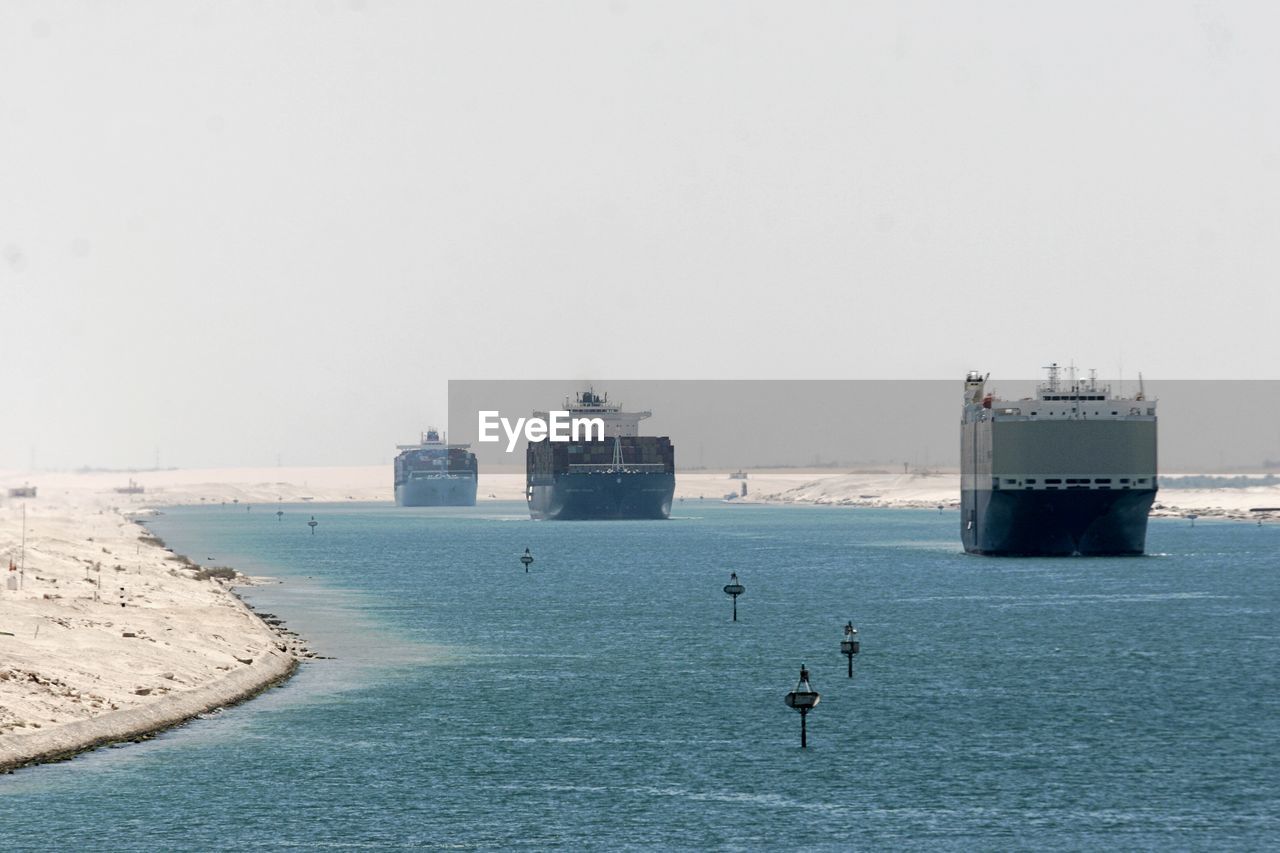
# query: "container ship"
x,y
624,476
434,473
1071,471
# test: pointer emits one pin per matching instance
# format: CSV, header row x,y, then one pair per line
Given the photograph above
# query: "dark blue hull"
x,y
1059,523
437,491
597,495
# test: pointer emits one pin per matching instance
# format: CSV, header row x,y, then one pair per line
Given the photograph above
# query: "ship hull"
x,y
437,491
1071,522
610,496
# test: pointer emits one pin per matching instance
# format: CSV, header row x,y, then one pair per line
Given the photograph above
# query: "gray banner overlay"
x,y
1204,425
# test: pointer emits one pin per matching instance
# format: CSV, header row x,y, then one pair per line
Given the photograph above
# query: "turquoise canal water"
x,y
605,699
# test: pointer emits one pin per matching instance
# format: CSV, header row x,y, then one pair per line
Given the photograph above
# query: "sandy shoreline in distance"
x,y
931,490
80,670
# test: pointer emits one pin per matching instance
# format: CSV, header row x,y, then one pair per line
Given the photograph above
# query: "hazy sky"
x,y
241,230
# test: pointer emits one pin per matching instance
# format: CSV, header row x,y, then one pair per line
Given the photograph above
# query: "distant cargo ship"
x,y
1070,471
433,473
625,476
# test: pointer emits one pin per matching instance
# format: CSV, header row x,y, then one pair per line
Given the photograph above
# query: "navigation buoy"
x,y
803,699
734,589
527,559
1192,516
849,644
279,515
312,524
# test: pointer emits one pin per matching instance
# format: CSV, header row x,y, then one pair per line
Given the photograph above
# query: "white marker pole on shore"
x,y
22,563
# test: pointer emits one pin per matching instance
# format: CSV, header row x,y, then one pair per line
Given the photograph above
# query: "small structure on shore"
x,y
23,491
131,489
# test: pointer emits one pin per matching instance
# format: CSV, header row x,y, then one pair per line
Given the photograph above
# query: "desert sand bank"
x,y
942,489
109,636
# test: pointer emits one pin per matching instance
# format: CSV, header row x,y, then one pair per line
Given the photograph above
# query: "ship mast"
x,y
1054,371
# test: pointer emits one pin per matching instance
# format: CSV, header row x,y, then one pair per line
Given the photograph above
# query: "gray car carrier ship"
x,y
1069,471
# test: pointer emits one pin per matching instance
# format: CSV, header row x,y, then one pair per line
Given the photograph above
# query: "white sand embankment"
x,y
860,488
942,488
109,636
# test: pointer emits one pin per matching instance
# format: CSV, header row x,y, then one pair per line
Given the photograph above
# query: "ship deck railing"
x,y
627,468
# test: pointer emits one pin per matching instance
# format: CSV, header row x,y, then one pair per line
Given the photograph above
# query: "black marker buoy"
x,y
734,589
849,645
279,515
803,699
527,559
312,524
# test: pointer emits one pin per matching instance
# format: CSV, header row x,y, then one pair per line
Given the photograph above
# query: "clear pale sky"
x,y
243,231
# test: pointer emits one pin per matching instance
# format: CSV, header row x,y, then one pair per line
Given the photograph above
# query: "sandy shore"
x,y
930,490
77,669
109,636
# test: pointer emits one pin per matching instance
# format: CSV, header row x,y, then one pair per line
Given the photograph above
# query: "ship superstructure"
x,y
1070,471
435,473
624,476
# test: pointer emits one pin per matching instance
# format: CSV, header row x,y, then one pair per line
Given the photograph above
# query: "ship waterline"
x,y
578,497
437,490
1060,524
